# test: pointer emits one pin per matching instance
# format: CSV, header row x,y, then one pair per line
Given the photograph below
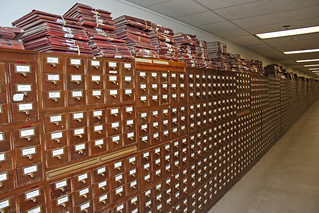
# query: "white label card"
x,y
102,184
23,68
114,111
85,206
96,78
80,147
57,152
52,60
63,200
24,87
2,157
127,66
25,107
53,77
3,176
56,135
61,184
78,131
18,97
54,95
103,197
56,118
27,132
32,194
28,151
99,142
99,128
112,64
82,177
35,210
75,61
95,63
101,170
76,77
30,169
4,204
77,94
113,92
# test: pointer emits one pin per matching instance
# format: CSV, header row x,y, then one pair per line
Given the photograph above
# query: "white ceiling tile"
x,y
231,33
216,4
246,40
280,18
261,28
178,8
218,27
263,8
201,18
295,43
147,3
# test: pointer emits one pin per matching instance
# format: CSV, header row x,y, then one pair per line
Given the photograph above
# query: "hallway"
x,y
286,179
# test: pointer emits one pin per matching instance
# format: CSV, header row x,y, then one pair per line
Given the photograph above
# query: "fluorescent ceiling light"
x,y
307,60
292,32
311,65
301,51
314,68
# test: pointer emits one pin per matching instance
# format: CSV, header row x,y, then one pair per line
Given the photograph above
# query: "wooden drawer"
x,y
32,199
26,136
54,122
52,81
24,112
29,174
22,73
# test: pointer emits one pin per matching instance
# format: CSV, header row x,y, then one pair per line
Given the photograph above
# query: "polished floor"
x,y
286,179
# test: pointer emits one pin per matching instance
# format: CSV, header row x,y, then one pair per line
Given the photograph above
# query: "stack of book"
x,y
163,39
135,32
192,51
9,37
99,27
54,33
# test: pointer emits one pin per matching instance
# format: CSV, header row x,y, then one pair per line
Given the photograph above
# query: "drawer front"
x,y
54,122
22,73
79,151
56,139
128,95
113,96
53,99
24,112
22,92
31,199
28,156
96,66
25,137
81,181
62,204
54,64
75,65
95,81
29,174
57,157
77,97
52,81
96,97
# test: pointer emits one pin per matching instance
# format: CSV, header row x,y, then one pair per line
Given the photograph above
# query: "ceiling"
x,y
239,20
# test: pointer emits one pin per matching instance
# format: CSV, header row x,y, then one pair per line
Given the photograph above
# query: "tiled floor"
x,y
286,179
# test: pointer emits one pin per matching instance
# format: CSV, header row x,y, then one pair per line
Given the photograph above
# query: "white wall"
x,y
11,10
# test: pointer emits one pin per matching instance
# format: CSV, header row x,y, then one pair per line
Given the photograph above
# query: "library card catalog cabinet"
x,y
82,135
